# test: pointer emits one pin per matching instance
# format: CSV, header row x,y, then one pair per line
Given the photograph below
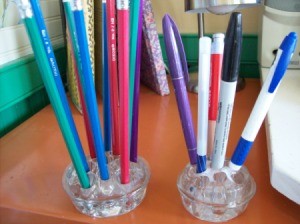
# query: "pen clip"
x,y
286,49
181,51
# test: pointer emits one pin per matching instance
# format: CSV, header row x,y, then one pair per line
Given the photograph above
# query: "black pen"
x,y
230,71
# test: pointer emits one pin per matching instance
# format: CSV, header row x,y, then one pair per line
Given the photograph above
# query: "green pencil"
x,y
134,21
49,82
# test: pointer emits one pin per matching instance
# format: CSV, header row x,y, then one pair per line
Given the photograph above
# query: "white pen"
x,y
203,97
264,100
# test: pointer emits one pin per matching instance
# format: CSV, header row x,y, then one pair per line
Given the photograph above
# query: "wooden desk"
x,y
33,158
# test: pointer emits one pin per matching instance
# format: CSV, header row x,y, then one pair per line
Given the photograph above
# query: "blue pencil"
x,y
88,88
55,71
105,83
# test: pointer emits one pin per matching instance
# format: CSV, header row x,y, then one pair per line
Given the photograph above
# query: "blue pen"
x,y
55,71
88,88
264,100
105,83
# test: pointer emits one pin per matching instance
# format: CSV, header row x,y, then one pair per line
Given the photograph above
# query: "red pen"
x,y
113,73
217,49
123,65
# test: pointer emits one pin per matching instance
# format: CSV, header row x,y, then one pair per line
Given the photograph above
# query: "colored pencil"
x,y
123,65
78,69
88,88
51,88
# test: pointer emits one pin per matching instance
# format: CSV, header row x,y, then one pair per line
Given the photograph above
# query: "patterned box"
x,y
153,73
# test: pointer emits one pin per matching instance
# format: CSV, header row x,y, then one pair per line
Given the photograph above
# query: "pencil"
x,y
51,88
113,74
88,88
135,107
78,69
56,74
134,22
123,65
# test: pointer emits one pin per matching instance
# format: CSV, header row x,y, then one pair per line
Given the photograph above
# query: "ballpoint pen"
x,y
203,97
51,88
179,73
113,73
217,48
264,100
123,65
105,84
89,93
78,69
230,70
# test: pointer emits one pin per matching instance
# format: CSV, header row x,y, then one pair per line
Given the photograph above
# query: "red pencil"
x,y
217,49
113,73
123,65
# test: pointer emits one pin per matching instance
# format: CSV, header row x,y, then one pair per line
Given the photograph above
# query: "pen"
x,y
203,96
113,74
217,49
40,54
88,88
230,70
264,100
105,84
178,70
123,65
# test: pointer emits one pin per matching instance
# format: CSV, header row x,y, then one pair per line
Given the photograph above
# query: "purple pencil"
x,y
179,74
135,110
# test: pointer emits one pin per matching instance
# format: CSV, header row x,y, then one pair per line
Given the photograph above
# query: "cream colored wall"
x,y
187,23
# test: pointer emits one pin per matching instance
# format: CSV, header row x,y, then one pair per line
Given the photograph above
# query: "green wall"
x,y
22,91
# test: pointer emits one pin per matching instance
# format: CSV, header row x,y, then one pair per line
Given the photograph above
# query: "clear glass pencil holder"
x,y
107,198
215,195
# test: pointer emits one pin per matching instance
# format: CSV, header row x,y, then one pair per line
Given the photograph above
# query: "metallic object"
x,y
218,6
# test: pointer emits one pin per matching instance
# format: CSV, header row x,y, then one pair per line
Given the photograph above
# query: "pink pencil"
x,y
123,65
217,49
113,73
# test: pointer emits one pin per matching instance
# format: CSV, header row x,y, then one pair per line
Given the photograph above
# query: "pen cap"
x,y
175,49
232,48
204,45
287,49
217,46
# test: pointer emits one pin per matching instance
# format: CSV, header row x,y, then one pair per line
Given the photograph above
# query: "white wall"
x,y
14,42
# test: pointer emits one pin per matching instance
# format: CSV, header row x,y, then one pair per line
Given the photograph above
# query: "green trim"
x,y
23,94
249,65
22,90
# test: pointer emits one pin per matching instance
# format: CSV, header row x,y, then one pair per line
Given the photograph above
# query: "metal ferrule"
x,y
202,6
122,4
76,5
25,9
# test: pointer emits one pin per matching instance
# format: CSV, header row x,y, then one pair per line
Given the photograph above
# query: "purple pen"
x,y
135,110
179,74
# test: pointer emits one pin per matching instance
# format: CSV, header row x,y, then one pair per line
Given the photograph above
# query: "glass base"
x,y
215,195
108,198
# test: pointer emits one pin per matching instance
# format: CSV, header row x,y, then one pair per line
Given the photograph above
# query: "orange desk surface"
x,y
33,158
